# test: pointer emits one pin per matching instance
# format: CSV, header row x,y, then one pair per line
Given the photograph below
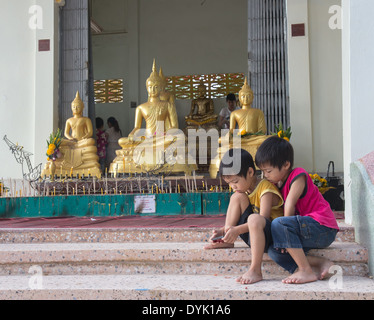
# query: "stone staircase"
x,y
160,264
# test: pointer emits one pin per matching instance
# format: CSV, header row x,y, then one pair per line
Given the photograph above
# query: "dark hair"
x,y
99,122
236,162
114,123
274,151
231,97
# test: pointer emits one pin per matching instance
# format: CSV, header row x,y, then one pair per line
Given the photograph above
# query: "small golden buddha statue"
x,y
250,125
149,143
202,111
78,149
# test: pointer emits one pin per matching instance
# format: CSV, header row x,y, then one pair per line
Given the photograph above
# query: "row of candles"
x,y
158,186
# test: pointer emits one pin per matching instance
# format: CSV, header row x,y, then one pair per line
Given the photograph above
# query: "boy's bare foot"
x,y
321,266
323,272
250,277
300,277
219,245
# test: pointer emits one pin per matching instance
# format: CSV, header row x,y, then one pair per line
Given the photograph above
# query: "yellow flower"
x,y
52,146
242,132
287,139
50,151
280,133
316,176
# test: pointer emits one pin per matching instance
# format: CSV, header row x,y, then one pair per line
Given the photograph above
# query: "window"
x,y
217,85
108,91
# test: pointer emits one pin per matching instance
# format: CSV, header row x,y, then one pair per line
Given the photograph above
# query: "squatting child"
x,y
254,204
308,221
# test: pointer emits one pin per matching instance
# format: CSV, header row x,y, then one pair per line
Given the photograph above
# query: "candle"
x,y
71,171
179,189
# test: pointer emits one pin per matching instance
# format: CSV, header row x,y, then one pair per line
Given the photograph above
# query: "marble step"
x,y
157,258
176,287
108,235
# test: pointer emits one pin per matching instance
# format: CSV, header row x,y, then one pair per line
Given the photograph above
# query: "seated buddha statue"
x,y
153,139
78,149
247,126
202,111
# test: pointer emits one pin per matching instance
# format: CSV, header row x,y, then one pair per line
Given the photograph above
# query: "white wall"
x,y
358,67
27,82
315,86
192,37
299,86
111,56
185,37
326,86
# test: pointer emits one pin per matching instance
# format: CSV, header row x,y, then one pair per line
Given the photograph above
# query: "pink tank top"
x,y
311,202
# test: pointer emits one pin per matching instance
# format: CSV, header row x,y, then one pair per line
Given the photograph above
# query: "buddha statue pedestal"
x,y
153,155
78,152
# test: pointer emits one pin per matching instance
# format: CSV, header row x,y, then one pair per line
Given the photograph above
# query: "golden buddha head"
x,y
246,94
153,83
77,105
201,89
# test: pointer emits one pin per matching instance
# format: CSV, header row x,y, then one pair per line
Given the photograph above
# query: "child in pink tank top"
x,y
308,221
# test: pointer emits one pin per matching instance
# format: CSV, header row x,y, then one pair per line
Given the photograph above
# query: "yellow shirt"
x,y
255,198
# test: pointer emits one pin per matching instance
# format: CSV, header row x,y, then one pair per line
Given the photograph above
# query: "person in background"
x,y
224,115
101,141
113,135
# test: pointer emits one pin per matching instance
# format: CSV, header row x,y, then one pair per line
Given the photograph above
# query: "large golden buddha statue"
x,y
202,111
78,149
247,128
145,149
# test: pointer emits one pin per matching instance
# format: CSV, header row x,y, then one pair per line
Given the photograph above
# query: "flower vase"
x,y
52,170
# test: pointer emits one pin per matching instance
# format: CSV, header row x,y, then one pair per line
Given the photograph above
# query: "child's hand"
x,y
231,235
216,233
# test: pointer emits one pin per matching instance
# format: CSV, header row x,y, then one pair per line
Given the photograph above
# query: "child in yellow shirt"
x,y
254,204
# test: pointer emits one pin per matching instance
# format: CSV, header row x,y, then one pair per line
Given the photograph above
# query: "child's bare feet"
x,y
321,266
219,245
250,277
301,276
324,272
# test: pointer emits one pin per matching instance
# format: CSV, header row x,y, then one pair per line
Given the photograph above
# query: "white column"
x,y
299,86
46,80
